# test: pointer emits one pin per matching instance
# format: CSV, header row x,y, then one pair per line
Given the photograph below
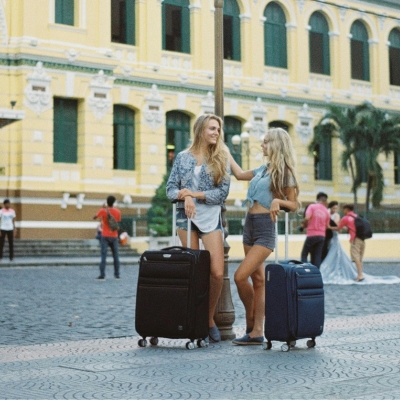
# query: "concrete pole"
x,y
225,311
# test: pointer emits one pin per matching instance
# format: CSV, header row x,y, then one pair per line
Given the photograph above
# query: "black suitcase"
x,y
172,297
294,301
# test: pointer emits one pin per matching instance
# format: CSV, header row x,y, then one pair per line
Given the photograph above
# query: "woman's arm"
x,y
237,171
289,203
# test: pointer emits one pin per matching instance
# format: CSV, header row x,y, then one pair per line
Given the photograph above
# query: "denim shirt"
x,y
260,188
181,177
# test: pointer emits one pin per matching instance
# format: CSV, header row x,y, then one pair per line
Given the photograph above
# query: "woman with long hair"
x,y
200,179
273,186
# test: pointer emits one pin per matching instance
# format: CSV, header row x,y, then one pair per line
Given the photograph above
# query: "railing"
x,y
382,221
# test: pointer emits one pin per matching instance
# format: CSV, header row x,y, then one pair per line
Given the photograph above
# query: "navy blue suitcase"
x,y
172,297
294,301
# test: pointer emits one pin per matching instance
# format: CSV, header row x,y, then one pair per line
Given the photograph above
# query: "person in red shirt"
x,y
109,237
357,245
316,220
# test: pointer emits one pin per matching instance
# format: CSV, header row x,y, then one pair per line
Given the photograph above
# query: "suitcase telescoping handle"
x,y
175,231
286,210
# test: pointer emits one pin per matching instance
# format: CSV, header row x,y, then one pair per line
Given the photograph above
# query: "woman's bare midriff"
x,y
258,209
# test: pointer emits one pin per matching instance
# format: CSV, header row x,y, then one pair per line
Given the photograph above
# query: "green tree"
x,y
365,133
159,215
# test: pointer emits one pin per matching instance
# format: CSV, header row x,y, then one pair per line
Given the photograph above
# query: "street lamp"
x,y
244,140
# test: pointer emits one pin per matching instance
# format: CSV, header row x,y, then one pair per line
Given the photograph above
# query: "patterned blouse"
x,y
181,177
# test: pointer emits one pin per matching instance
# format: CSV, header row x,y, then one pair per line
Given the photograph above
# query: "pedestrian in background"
x,y
273,185
200,177
7,216
333,208
316,221
109,236
357,245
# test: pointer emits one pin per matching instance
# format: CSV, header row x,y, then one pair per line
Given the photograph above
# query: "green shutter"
x,y
124,138
325,160
64,12
163,25
231,9
360,35
397,168
185,29
178,132
275,36
319,44
65,145
130,22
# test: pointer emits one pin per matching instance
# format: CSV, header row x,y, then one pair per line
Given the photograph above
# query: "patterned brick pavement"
x,y
65,335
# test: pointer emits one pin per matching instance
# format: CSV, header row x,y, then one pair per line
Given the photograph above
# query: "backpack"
x,y
114,226
363,228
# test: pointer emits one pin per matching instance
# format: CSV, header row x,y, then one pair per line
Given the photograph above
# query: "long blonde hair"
x,y
217,155
281,163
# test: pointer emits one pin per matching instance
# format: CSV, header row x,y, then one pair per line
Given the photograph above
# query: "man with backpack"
x,y
110,217
357,237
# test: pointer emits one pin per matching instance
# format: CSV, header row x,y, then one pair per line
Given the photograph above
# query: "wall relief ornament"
x,y
259,119
38,96
153,114
99,99
304,124
208,104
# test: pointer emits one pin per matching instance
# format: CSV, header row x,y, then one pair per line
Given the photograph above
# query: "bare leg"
x,y
194,239
253,294
213,243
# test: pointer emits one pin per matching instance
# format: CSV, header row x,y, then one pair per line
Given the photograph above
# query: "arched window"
x,y
279,124
231,30
232,127
319,45
275,36
123,21
124,138
176,25
178,133
323,161
64,12
394,57
359,52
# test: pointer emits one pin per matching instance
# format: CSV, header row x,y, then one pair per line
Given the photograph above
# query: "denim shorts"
x,y
182,223
259,229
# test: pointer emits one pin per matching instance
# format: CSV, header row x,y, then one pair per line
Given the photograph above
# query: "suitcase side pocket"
x,y
310,312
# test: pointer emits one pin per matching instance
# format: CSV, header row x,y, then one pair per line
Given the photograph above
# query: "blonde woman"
x,y
273,186
200,178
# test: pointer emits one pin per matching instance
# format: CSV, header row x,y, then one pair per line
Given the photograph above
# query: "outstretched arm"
x,y
237,171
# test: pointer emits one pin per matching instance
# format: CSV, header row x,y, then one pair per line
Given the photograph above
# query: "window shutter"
x,y
65,145
236,38
124,138
64,12
130,22
275,36
185,29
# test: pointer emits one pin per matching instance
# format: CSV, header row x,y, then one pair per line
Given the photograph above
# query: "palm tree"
x,y
365,133
381,135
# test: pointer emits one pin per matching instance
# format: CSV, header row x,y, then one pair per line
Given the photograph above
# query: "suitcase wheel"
x,y
285,347
202,343
154,341
142,343
190,345
311,343
267,345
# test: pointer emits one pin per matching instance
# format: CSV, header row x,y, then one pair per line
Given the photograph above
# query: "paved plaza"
x,y
64,335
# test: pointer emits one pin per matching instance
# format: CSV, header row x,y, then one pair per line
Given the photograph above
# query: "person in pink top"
x,y
357,245
316,221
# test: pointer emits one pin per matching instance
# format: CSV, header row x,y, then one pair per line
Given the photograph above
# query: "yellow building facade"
x,y
105,91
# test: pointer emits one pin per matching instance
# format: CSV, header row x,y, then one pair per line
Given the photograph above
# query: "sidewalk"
x,y
65,335
356,358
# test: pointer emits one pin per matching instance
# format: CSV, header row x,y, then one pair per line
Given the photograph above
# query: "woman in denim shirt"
x,y
200,178
273,185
